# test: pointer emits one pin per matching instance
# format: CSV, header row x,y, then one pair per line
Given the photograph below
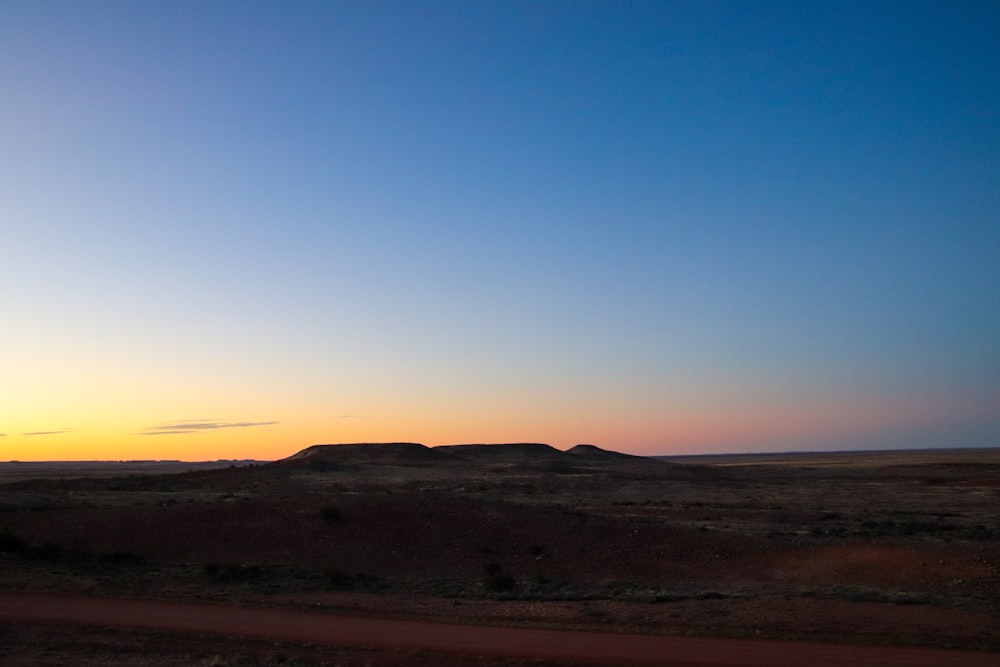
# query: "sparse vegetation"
x,y
231,571
501,583
867,594
120,558
686,548
338,579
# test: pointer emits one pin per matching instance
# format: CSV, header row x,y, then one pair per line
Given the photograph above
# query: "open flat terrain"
x,y
869,549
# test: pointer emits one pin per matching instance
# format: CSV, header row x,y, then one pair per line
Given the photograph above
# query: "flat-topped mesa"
x,y
523,456
367,453
516,452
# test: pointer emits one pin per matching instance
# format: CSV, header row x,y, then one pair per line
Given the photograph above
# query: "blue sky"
x,y
657,227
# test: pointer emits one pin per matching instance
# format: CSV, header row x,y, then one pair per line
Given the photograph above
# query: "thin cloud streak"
x,y
201,425
59,432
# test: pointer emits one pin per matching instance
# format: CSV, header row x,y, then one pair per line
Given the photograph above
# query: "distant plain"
x,y
898,548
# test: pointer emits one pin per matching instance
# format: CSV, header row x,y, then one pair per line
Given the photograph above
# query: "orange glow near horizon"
x,y
693,431
197,268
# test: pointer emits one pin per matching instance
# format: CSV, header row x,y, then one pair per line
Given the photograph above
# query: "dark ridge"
x,y
519,452
595,453
366,453
503,457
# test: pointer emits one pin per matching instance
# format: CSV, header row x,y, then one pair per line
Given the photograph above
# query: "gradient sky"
x,y
236,229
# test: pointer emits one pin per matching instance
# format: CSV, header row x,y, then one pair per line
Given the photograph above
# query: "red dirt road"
x,y
554,645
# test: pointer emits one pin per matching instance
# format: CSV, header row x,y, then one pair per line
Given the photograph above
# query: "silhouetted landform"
x,y
512,453
507,456
366,453
595,453
893,548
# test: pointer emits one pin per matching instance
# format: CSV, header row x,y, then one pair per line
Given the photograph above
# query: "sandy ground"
x,y
461,640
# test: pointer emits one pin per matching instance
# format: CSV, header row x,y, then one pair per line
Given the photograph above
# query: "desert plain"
x,y
862,549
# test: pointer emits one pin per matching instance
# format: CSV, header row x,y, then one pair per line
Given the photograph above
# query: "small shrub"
x,y
711,595
368,580
536,550
9,542
120,558
78,556
493,568
230,571
331,514
338,578
47,551
501,583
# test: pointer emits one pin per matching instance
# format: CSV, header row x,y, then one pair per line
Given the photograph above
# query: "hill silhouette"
x,y
503,456
595,453
519,453
366,453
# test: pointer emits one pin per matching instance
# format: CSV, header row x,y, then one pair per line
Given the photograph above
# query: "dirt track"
x,y
577,647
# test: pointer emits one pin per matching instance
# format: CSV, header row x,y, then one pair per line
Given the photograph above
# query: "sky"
x,y
236,229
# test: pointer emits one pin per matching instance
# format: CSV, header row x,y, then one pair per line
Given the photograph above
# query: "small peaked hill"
x,y
595,453
366,453
517,453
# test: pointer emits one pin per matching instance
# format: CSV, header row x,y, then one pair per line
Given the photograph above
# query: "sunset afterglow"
x,y
234,230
